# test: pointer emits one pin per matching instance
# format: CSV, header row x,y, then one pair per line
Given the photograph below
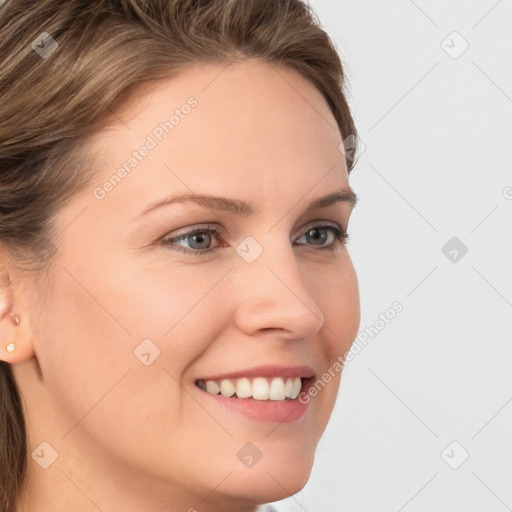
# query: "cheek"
x,y
82,344
337,294
99,389
178,307
335,289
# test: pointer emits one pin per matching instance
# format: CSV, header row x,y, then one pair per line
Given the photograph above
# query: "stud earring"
x,y
11,347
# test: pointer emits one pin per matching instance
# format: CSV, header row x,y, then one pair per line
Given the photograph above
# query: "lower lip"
x,y
269,411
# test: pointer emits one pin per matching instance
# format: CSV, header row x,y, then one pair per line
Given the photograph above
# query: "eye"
x,y
199,240
324,236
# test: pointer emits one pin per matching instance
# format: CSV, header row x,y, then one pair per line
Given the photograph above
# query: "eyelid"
x,y
191,229
320,223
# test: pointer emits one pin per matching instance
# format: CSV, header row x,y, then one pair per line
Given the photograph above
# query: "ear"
x,y
14,325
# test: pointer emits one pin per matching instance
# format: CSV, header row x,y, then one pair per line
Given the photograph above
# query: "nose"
x,y
272,295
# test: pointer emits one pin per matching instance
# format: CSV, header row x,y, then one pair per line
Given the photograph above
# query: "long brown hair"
x,y
59,86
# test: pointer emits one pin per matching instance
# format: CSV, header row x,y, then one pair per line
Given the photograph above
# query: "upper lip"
x,y
303,371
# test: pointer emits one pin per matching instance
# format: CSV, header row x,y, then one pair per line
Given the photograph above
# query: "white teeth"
x,y
212,387
288,387
297,384
277,389
260,388
243,388
227,388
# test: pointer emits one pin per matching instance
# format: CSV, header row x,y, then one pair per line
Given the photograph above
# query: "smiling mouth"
x,y
257,388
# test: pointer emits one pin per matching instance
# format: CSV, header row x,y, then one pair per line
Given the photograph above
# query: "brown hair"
x,y
56,92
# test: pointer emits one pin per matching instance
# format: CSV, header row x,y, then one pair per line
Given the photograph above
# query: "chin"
x,y
273,479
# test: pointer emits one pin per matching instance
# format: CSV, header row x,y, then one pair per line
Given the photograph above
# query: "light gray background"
x,y
438,138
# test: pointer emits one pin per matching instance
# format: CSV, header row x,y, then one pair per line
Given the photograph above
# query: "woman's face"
x,y
138,313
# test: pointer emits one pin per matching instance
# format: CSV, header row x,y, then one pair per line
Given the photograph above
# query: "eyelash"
x,y
339,235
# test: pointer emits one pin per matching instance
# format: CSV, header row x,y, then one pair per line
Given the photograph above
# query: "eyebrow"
x,y
239,207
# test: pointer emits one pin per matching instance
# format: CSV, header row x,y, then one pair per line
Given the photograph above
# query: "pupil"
x,y
200,239
319,237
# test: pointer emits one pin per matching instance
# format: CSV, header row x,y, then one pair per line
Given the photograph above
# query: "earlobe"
x,y
11,347
15,335
15,347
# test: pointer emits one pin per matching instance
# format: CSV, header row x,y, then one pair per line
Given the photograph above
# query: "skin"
x,y
133,437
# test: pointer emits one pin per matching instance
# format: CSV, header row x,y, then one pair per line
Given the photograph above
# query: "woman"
x,y
175,281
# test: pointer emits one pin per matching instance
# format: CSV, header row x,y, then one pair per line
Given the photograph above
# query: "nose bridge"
x,y
275,294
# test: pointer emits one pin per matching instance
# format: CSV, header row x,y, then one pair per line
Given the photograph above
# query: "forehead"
x,y
251,124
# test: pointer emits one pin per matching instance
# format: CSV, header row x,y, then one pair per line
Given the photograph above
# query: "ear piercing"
x,y
11,347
